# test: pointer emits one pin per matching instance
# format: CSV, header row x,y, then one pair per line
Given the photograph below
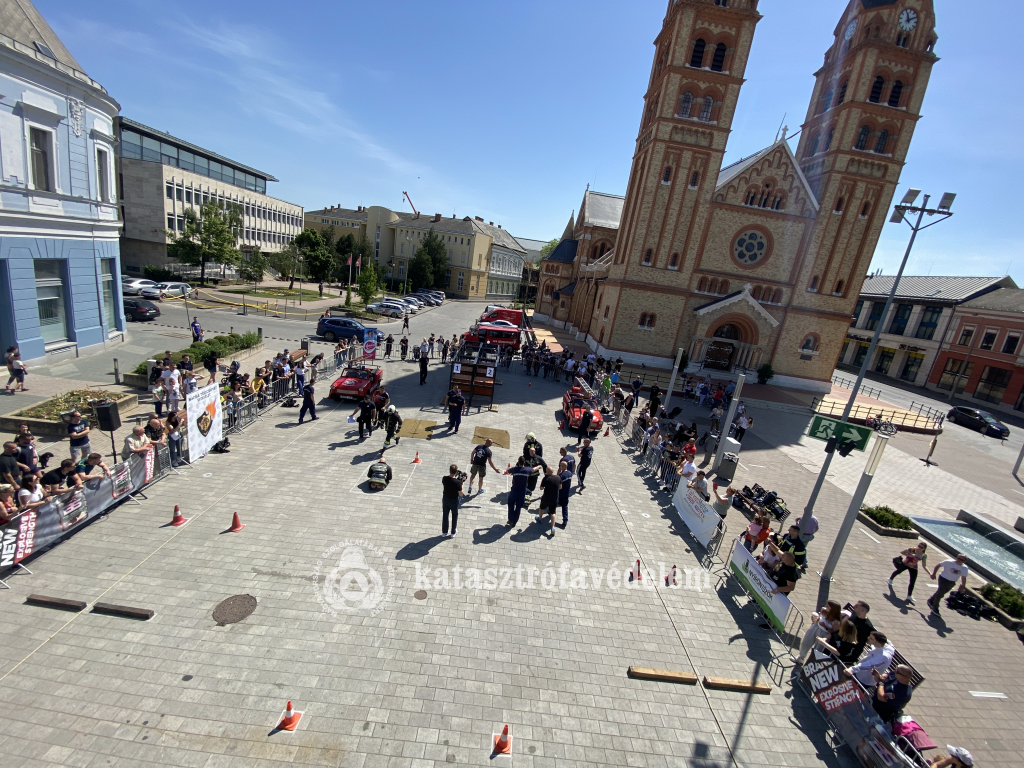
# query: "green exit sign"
x,y
824,428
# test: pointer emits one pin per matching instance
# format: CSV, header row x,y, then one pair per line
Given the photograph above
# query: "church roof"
x,y
601,210
734,297
869,4
24,24
567,291
1002,300
564,253
938,289
730,172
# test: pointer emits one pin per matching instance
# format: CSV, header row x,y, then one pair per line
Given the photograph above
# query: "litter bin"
x,y
710,447
727,469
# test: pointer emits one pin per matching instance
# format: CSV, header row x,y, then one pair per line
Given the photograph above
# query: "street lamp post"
x,y
899,215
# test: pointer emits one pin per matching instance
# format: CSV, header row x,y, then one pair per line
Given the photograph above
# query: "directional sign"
x,y
823,428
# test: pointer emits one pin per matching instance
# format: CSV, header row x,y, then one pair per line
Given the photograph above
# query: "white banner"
x,y
757,584
696,514
204,420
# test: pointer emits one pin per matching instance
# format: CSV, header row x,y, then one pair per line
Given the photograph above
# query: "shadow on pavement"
x,y
417,549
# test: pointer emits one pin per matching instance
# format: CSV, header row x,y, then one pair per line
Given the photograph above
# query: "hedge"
x,y
222,345
889,518
1009,600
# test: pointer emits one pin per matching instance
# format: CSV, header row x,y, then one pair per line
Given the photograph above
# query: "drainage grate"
x,y
234,609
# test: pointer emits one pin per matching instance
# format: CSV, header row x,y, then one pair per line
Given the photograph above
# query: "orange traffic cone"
x,y
417,459
178,519
635,574
561,424
502,743
236,524
670,580
290,719
607,431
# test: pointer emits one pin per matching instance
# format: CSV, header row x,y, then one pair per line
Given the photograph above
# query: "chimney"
x,y
437,217
478,218
499,226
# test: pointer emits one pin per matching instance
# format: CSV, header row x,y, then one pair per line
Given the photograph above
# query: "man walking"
x,y
392,423
405,322
564,489
423,369
549,499
586,454
479,458
367,415
455,402
584,429
308,403
951,571
521,475
531,459
197,331
452,485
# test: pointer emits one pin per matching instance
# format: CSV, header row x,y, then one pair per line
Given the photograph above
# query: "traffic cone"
x,y
670,580
529,384
607,431
636,574
290,719
417,459
178,519
561,424
236,524
502,743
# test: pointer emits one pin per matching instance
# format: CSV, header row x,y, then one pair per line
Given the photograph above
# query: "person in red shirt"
x,y
690,448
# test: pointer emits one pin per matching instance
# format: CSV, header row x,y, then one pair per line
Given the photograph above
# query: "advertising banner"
x,y
121,479
205,421
148,466
847,707
757,584
696,514
370,348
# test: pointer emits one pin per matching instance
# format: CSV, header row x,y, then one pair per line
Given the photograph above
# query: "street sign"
x,y
824,428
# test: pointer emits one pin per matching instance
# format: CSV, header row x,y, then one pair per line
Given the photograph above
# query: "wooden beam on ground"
x,y
60,603
743,686
124,611
665,675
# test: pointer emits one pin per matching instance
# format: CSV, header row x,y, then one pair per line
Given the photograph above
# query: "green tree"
x,y
344,247
368,283
253,266
548,248
286,262
209,237
318,254
437,252
421,270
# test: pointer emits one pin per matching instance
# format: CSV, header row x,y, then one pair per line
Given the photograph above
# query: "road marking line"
x,y
744,465
988,695
877,541
758,466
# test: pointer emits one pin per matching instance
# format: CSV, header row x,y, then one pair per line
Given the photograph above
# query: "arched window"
x,y
883,139
895,94
826,102
600,339
718,60
723,288
694,179
647,256
903,41
643,319
777,296
842,94
876,90
674,261
705,109
702,285
651,320
828,141
685,105
839,206
697,59
668,175
814,283
606,311
931,46
713,285
756,293
839,288
865,210
780,203
547,291
810,343
862,138
727,331
814,144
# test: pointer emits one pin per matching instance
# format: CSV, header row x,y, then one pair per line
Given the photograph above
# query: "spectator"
x,y
393,424
308,402
8,507
388,344
78,430
210,364
860,620
892,692
258,387
586,457
565,486
197,331
137,442
367,415
452,491
722,503
532,459
688,471
479,458
700,484
32,495
549,488
87,464
27,455
18,370
160,396
430,346
877,659
690,449
11,469
909,560
823,624
743,423
843,643
56,480
155,430
185,364
958,758
785,575
716,419
791,543
606,388
812,528
423,369
951,571
455,403
301,367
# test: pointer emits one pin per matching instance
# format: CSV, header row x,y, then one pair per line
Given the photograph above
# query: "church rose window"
x,y
751,248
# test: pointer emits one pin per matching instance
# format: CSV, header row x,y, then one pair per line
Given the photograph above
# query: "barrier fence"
x,y
924,418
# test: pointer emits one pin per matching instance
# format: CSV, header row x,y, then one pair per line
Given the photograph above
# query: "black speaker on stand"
x,y
109,420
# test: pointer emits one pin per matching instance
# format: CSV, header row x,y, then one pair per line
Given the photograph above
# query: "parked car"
x,y
408,306
388,310
140,309
983,421
134,285
415,300
334,328
502,324
429,299
439,295
175,289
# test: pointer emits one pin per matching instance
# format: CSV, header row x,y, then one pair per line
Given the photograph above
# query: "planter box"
x,y
1004,618
881,530
10,422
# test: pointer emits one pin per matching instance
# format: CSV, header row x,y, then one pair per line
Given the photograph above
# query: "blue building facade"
x,y
59,224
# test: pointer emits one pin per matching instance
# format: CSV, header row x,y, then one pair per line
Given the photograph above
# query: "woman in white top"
x,y
823,625
31,494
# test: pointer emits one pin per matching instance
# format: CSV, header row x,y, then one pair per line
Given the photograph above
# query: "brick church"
x,y
760,261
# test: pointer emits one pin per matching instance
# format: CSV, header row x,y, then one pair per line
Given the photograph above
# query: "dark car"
x,y
334,328
983,421
140,309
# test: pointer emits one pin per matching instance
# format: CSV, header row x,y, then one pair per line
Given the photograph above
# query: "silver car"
x,y
133,287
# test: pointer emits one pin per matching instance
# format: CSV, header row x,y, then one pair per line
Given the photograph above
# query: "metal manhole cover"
x,y
420,594
234,609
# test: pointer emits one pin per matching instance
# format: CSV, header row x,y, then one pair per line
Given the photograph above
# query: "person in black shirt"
x,y
584,428
586,456
533,459
521,475
532,442
455,403
308,403
452,491
392,423
785,575
367,415
403,345
549,488
565,487
56,480
11,469
864,626
379,474
388,343
423,369
479,458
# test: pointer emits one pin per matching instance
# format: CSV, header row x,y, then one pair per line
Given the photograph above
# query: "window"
x,y
898,324
876,90
756,293
702,285
179,194
718,60
722,3
810,343
993,384
694,179
989,339
828,141
697,58
50,300
647,321
966,335
171,219
109,295
668,175
862,352
606,311
673,263
705,109
713,285
865,210
883,139
1010,344
895,94
42,150
839,205
839,289
169,191
777,296
814,283
911,367
929,323
952,372
647,257
685,105
103,174
862,138
461,278
814,145
876,315
188,199
885,357
842,94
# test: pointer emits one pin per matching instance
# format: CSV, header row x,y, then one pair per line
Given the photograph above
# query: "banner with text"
x,y
696,514
205,421
759,586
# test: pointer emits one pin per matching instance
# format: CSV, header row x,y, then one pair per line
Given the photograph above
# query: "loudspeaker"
x,y
108,417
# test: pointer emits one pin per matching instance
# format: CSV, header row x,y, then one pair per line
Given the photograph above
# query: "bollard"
x,y
231,329
117,372
259,331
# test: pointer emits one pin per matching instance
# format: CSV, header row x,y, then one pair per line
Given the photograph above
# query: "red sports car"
x,y
356,382
577,401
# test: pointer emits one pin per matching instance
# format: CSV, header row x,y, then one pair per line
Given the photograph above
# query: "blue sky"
x,y
508,110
